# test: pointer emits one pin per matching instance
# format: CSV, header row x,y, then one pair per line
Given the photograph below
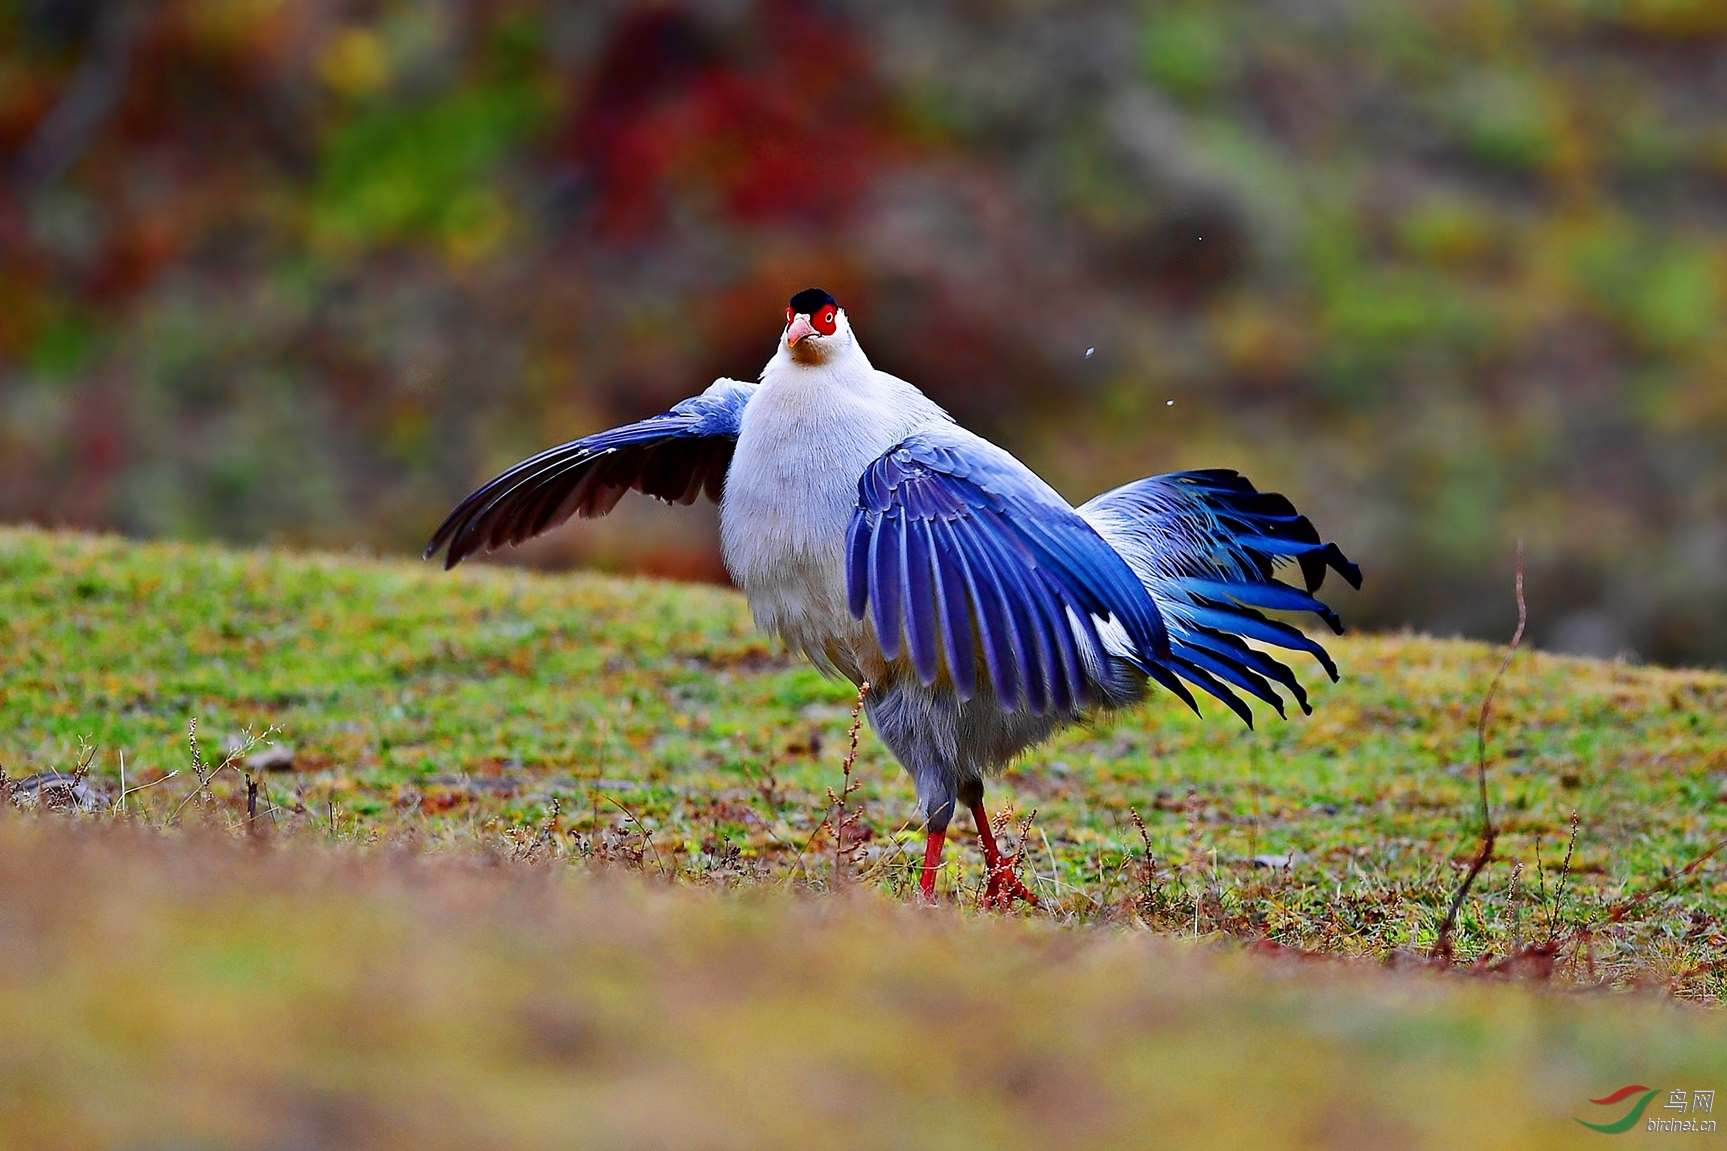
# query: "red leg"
x,y
1002,886
931,864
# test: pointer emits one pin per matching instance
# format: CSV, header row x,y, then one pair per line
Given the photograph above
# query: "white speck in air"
x,y
1169,403
1089,352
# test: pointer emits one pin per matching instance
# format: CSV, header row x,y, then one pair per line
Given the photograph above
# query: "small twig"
x,y
647,836
142,786
1145,841
1144,835
230,762
197,756
1013,861
1511,909
848,785
549,826
1559,885
204,774
1540,871
1489,833
803,867
87,754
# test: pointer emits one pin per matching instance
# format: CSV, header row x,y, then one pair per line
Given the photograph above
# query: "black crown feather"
x,y
808,301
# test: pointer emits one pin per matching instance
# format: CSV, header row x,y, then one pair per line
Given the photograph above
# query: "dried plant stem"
x,y
1489,833
200,792
1513,910
1023,833
206,775
142,786
647,836
841,819
1559,884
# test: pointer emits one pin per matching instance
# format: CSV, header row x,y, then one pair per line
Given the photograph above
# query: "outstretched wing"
x,y
982,567
1207,545
674,456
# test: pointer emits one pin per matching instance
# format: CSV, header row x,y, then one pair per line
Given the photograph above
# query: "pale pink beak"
x,y
798,329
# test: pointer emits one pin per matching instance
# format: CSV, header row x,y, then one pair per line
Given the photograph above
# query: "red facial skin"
x,y
824,320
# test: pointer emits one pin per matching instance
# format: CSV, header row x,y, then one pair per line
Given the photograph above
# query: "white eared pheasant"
x,y
888,544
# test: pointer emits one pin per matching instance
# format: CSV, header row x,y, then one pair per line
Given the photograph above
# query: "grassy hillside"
x,y
454,709
550,867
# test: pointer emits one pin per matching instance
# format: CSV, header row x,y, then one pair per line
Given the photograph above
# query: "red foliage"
x,y
779,120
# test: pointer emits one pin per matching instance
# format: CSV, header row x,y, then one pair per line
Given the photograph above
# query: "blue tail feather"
x,y
1229,647
1248,681
1207,545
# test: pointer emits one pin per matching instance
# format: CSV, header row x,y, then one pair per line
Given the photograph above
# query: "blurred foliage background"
x,y
1448,272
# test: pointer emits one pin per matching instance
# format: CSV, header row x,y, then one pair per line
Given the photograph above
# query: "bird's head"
x,y
816,328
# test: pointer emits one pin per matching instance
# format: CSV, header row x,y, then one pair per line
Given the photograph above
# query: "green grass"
x,y
414,949
452,709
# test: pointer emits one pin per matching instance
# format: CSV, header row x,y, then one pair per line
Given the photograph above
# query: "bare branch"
x,y
1489,833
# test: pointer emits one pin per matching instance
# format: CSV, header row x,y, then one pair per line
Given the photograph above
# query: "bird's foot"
x,y
1002,887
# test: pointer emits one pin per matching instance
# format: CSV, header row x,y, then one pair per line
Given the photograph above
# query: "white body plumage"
x,y
806,437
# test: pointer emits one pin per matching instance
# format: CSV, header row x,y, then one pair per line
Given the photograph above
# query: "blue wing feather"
x,y
1066,669
857,567
1007,555
884,585
955,618
920,606
994,623
1016,618
674,456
